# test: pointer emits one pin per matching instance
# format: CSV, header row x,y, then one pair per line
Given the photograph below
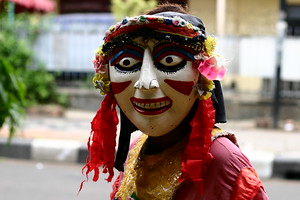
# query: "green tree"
x,y
12,97
123,8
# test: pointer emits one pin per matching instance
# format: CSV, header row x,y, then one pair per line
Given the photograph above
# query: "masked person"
x,y
161,70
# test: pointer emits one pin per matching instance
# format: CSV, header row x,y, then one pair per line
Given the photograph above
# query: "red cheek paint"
x,y
118,87
184,87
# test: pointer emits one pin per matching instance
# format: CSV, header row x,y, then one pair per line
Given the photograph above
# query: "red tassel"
x,y
196,156
102,141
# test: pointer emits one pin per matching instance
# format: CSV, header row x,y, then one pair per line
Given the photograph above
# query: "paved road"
x,y
30,180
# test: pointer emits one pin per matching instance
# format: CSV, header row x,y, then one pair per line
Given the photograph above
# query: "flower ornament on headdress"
x,y
211,68
101,79
204,87
102,83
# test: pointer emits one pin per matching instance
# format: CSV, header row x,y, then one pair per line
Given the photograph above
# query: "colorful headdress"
x,y
170,27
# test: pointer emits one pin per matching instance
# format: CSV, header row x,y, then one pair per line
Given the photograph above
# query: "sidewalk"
x,y
63,139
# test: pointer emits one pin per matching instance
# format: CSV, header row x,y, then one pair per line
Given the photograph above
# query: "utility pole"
x,y
221,17
281,31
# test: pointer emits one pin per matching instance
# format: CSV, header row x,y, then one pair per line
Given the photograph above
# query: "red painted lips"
x,y
151,106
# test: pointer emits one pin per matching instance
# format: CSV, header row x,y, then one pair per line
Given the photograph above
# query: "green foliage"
x,y
41,87
19,69
123,8
12,96
17,40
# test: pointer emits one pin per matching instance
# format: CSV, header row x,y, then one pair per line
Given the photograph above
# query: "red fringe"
x,y
196,156
102,141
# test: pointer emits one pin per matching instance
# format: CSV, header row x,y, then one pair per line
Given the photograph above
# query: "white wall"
x,y
70,45
256,56
291,59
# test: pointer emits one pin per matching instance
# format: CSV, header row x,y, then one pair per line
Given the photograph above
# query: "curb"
x,y
266,164
44,150
263,162
287,166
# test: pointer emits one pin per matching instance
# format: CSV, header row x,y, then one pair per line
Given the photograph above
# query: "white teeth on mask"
x,y
152,106
156,105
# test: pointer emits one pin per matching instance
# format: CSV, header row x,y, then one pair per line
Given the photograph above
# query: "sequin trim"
x,y
156,20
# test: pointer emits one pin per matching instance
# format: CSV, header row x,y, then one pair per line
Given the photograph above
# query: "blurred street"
x,y
32,180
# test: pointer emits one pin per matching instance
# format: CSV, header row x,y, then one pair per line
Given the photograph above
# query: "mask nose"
x,y
147,79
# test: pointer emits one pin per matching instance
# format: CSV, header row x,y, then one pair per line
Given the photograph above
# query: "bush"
x,y
24,80
17,40
12,96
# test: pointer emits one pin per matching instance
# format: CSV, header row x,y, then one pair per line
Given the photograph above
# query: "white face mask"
x,y
153,84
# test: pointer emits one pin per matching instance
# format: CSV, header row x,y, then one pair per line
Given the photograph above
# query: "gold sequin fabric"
x,y
152,177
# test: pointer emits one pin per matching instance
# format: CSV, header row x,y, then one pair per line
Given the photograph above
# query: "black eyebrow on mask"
x,y
133,44
132,50
164,47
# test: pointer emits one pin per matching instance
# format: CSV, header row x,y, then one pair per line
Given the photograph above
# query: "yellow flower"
x,y
210,85
112,28
205,87
102,83
99,51
189,26
160,20
210,45
205,96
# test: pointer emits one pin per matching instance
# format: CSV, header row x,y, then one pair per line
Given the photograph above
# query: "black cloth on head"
x,y
218,103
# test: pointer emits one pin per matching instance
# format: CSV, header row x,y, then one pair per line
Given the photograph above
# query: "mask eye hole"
x,y
170,57
171,64
127,62
171,60
127,59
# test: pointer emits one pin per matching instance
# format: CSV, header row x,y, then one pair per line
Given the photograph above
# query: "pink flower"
x,y
175,22
99,65
118,25
212,69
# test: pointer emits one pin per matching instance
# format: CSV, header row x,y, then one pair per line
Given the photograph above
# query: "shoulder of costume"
x,y
218,132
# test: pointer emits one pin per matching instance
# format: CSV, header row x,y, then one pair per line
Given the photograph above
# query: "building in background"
x,y
68,46
247,34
